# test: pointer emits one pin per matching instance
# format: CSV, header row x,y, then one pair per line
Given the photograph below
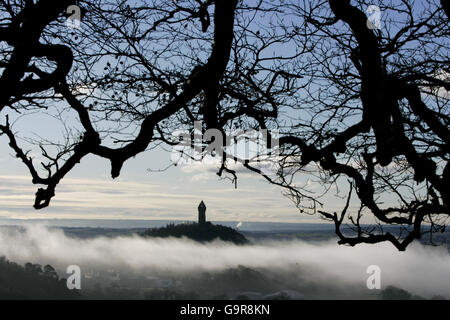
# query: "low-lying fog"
x,y
316,270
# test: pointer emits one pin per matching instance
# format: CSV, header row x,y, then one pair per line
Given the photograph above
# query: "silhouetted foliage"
x,y
198,232
394,293
32,282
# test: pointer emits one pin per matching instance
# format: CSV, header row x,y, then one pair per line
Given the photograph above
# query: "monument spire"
x,y
201,213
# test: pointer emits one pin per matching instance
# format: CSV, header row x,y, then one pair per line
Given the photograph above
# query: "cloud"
x,y
421,270
106,199
439,91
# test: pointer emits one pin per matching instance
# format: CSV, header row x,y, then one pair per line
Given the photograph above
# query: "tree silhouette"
x,y
354,101
199,232
32,282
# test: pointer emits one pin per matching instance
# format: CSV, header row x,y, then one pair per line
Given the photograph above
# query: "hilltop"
x,y
199,232
32,281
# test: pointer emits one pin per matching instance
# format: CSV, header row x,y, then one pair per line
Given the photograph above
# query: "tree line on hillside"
x,y
198,232
32,281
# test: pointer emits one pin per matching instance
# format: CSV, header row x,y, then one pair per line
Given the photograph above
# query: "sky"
x,y
88,192
142,191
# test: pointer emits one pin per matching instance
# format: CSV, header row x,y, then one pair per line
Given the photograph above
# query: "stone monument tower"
x,y
201,213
